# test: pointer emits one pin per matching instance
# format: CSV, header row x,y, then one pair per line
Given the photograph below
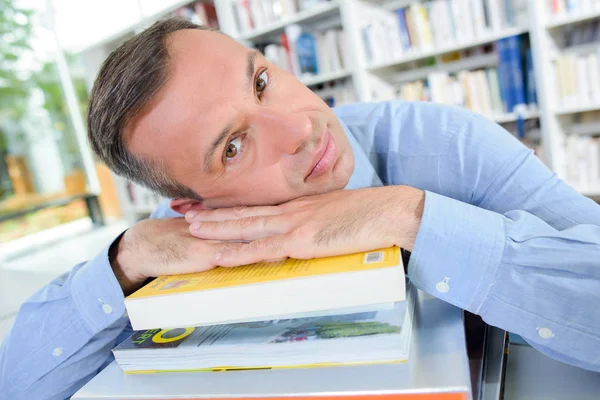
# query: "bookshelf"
x,y
320,11
361,78
418,55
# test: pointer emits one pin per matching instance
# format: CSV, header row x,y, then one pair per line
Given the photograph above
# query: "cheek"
x,y
263,186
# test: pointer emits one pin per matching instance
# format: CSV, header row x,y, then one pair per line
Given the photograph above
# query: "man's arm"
x,y
522,248
63,335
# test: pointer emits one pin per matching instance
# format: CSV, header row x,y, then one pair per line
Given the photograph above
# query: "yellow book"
x,y
269,290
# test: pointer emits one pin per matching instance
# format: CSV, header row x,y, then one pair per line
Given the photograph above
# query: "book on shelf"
x,y
557,7
436,24
307,54
508,87
380,335
583,161
336,93
578,77
250,15
587,33
201,13
270,290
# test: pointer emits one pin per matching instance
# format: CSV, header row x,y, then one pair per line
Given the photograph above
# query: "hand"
x,y
339,222
161,247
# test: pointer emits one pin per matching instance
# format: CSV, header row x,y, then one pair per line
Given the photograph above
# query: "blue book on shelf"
x,y
306,47
517,77
573,5
509,12
404,37
504,75
531,87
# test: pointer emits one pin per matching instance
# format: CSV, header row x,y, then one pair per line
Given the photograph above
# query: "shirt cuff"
x,y
457,251
97,293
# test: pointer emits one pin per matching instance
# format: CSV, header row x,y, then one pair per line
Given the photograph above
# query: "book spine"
x,y
405,39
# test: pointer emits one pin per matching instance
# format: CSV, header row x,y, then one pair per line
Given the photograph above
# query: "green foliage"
x,y
15,30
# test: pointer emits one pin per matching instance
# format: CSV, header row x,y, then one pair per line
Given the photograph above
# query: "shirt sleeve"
x,y
501,236
63,335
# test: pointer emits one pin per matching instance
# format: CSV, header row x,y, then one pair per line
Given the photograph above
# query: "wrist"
x,y
408,219
120,259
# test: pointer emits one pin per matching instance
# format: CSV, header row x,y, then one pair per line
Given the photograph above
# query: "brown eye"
x,y
233,148
261,82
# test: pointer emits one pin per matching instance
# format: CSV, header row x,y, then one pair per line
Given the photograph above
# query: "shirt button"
x,y
442,287
107,308
545,333
57,352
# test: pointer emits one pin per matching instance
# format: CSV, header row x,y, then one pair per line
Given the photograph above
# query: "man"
x,y
256,163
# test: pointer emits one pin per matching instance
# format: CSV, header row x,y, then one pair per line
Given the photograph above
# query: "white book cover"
x,y
335,62
465,6
583,80
484,92
495,13
478,16
594,83
322,55
594,160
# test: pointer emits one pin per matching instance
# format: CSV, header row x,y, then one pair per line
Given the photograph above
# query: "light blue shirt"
x,y
500,236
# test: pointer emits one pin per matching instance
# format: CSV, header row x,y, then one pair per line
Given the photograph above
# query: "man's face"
x,y
238,130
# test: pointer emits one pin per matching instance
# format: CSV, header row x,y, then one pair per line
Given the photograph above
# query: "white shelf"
x,y
577,109
512,117
568,19
317,12
417,54
471,63
585,128
328,77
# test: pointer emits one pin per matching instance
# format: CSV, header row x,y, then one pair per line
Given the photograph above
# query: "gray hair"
x,y
128,79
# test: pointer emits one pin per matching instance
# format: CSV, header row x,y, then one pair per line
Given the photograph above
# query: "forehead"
x,y
206,78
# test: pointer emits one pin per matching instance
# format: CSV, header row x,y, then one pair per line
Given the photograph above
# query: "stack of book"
x,y
341,310
434,24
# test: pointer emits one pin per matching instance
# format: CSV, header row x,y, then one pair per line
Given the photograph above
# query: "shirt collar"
x,y
364,174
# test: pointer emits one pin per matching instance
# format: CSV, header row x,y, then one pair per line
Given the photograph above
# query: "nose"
x,y
287,131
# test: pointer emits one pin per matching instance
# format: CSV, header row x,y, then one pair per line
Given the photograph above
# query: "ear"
x,y
182,206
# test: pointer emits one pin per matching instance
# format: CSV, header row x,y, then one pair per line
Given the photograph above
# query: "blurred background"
x,y
530,65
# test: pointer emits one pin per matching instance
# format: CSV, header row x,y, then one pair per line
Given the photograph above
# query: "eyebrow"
x,y
216,144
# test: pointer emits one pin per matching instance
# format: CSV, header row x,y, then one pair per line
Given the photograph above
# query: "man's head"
x,y
196,116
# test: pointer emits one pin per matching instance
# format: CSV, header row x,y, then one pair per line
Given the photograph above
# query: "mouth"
x,y
324,158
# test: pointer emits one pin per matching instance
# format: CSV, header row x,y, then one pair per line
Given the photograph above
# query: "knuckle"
x,y
246,223
240,211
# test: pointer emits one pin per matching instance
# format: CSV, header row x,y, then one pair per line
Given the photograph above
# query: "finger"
x,y
247,229
272,248
226,214
200,258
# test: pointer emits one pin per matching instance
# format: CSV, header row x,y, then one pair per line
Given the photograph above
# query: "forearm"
x,y
517,272
63,334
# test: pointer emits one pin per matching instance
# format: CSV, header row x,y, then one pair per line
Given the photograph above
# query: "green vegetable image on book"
x,y
336,330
